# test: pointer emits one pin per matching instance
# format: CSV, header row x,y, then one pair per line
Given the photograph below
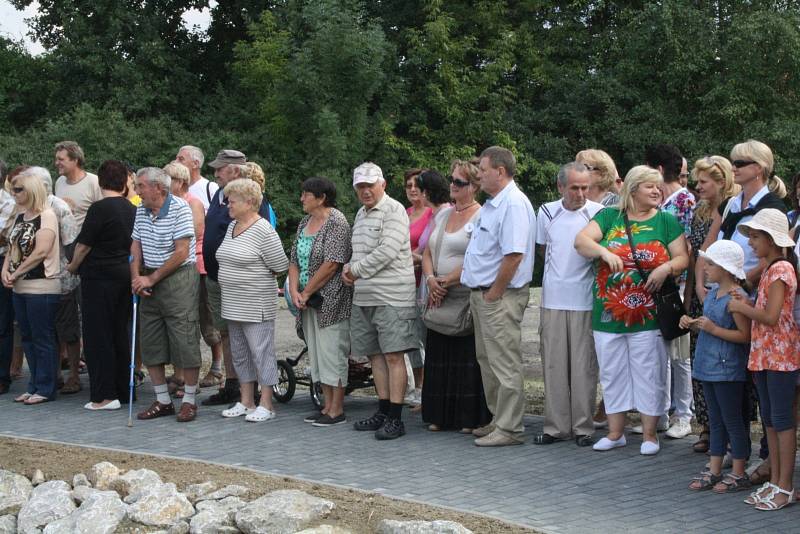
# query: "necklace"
x,y
457,210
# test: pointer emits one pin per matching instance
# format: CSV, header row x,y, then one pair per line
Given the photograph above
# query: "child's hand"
x,y
738,301
686,321
704,323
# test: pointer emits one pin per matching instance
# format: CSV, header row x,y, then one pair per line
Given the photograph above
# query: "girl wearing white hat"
x,y
720,364
774,351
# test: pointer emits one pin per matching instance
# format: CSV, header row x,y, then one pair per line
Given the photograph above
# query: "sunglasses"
x,y
739,163
458,183
17,190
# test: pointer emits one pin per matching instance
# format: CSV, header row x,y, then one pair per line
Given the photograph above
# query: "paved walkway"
x,y
556,488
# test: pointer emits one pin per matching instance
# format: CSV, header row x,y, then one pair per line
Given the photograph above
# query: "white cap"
x,y
728,255
367,173
771,221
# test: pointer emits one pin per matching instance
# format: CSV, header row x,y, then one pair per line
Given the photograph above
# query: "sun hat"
x,y
728,255
772,222
367,173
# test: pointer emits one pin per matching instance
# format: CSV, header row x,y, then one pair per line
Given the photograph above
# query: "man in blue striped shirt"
x,y
163,274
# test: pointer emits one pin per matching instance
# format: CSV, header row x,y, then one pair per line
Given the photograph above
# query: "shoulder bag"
x,y
669,305
452,317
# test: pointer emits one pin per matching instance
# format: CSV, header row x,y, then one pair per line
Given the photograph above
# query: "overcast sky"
x,y
12,23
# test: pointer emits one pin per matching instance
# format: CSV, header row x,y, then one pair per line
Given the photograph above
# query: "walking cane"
x,y
133,361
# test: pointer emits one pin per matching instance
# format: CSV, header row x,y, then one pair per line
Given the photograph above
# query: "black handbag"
x,y
669,305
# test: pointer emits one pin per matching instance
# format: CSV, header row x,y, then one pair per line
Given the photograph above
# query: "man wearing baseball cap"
x,y
382,323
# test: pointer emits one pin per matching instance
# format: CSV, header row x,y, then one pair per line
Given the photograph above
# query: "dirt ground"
x,y
355,510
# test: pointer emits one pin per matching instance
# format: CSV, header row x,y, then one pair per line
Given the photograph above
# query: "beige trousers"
x,y
498,339
569,363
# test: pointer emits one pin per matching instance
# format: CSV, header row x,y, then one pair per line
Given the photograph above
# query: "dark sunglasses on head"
x,y
739,163
18,189
458,183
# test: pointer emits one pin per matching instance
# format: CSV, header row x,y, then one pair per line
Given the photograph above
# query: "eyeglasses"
x,y
458,183
739,163
17,190
590,168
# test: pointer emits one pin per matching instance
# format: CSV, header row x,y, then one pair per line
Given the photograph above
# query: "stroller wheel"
x,y
283,391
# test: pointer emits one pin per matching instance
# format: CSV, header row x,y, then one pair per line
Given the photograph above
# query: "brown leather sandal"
x,y
156,410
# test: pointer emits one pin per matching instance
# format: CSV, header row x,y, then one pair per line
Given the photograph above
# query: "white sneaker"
x,y
649,448
236,410
661,426
680,428
606,444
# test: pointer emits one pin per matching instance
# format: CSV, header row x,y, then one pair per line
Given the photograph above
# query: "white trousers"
x,y
681,375
633,371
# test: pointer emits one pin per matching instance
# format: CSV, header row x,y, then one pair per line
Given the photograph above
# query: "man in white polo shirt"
x,y
498,267
565,327
192,158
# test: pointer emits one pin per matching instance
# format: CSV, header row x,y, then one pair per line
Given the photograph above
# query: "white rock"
x,y
81,493
228,491
325,529
14,492
37,477
193,492
102,475
216,516
160,506
135,481
282,511
391,526
100,513
49,502
8,524
181,527
80,480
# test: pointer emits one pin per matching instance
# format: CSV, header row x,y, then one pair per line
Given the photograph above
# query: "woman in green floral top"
x,y
631,353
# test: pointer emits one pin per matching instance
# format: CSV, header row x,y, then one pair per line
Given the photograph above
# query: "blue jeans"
x,y
6,332
725,423
776,398
36,316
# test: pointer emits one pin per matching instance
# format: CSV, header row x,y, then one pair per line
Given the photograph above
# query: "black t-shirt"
x,y
107,229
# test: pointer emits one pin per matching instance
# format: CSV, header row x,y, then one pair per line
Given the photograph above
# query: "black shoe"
x,y
584,440
544,439
327,420
393,429
312,417
4,389
373,423
223,396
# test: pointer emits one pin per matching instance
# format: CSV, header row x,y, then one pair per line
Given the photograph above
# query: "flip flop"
x,y
36,399
23,397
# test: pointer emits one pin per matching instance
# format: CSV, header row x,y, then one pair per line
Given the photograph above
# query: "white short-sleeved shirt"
x,y
750,259
568,277
506,224
80,195
204,190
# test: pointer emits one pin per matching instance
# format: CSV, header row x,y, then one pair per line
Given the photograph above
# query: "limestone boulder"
x,y
194,492
135,481
160,506
8,524
391,526
216,516
103,475
48,502
282,511
100,513
15,490
231,490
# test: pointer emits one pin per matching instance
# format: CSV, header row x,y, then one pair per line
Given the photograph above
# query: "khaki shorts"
x,y
68,323
383,329
215,305
169,325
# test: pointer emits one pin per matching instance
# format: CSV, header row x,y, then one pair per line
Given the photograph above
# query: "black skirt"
x,y
452,394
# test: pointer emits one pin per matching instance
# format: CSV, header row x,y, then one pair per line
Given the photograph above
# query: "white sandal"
x,y
23,397
768,504
260,414
237,410
755,497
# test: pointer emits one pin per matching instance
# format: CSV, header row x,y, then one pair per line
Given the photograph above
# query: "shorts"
x,y
168,321
383,329
68,322
214,292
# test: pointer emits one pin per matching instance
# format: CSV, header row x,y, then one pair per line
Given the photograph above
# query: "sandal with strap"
x,y
212,378
755,497
705,481
731,483
702,444
761,474
23,397
769,504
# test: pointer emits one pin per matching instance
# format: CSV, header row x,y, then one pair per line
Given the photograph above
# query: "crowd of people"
x,y
442,285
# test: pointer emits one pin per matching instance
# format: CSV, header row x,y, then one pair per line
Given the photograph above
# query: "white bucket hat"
x,y
728,255
772,222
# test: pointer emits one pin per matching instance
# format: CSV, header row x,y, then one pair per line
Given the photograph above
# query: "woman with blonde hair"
x,y
604,177
32,268
715,187
631,353
254,172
